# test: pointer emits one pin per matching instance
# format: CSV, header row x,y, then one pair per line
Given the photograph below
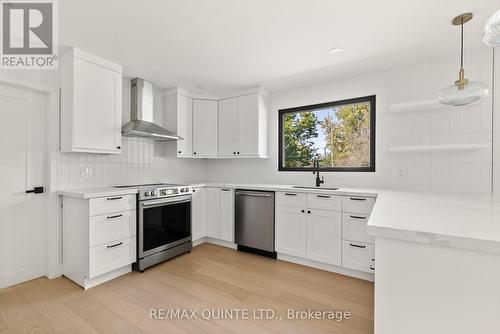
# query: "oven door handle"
x,y
149,204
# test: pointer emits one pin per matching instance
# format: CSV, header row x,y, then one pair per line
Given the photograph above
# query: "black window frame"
x,y
370,98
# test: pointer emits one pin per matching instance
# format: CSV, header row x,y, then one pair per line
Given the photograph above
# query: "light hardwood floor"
x,y
210,277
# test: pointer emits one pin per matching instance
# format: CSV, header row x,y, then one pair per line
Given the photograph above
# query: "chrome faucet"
x,y
316,171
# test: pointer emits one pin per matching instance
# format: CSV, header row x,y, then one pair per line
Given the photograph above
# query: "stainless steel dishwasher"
x,y
254,222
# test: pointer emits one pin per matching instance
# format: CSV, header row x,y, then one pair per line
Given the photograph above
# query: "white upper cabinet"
x,y
184,125
227,127
205,125
243,126
91,103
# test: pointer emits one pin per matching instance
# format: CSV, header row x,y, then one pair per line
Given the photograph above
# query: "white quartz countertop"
x,y
460,221
97,192
444,219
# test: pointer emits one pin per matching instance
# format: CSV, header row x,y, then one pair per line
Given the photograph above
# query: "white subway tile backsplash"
x,y
141,161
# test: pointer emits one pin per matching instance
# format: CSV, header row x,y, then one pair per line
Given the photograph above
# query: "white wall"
x,y
496,118
141,161
458,171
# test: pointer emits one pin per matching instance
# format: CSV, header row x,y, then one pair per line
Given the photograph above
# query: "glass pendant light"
x,y
463,91
492,30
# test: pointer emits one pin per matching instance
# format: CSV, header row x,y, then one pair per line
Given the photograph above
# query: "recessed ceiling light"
x,y
336,51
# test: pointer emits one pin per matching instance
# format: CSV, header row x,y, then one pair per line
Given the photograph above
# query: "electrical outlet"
x,y
86,172
403,172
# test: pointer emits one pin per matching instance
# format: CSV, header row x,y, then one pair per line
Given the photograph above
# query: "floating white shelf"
x,y
422,105
439,148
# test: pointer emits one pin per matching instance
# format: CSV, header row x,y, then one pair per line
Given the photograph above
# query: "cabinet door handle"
x,y
226,189
357,217
114,198
115,245
119,147
194,153
179,152
234,152
357,199
357,246
372,264
237,152
309,211
35,190
290,194
115,216
323,196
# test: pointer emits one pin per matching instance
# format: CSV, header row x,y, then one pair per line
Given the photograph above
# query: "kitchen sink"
x,y
316,188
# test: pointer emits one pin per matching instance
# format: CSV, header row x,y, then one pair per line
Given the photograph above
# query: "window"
x,y
340,134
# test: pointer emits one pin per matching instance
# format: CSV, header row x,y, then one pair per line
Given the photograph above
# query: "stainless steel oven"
x,y
163,223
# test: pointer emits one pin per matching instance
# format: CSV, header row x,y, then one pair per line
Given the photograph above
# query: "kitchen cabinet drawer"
x,y
358,256
290,198
354,227
358,204
324,202
107,228
111,204
111,256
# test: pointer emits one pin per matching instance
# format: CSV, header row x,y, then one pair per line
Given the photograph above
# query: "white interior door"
x,y
22,167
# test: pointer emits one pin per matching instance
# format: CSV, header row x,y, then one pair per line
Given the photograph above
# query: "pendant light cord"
x,y
462,44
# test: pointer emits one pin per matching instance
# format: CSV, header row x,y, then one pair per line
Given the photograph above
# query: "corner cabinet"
x,y
205,116
91,103
213,214
243,126
213,126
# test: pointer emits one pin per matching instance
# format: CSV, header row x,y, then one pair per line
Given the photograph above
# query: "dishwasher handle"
x,y
252,194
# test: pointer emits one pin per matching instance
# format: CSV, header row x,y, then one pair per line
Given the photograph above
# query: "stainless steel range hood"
x,y
141,114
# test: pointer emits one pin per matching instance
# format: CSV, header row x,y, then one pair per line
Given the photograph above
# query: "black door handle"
x,y
35,190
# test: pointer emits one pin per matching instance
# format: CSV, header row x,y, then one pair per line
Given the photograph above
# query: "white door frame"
x,y
53,256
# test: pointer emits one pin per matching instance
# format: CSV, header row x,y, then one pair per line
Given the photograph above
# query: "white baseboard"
x,y
88,283
218,242
328,267
305,262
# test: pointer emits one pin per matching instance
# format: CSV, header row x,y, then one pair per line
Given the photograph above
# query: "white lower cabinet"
x,y
324,232
212,217
358,256
99,238
315,227
227,214
358,249
213,213
198,214
291,231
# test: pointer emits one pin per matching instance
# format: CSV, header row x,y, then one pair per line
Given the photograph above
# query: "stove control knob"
x,y
186,189
182,190
153,193
147,193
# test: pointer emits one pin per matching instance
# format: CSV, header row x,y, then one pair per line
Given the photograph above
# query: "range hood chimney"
x,y
141,114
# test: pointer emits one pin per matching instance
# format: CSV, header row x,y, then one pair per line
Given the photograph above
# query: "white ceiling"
x,y
226,45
